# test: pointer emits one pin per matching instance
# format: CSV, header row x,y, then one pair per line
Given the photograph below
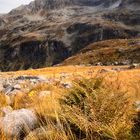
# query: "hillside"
x,y
110,52
45,33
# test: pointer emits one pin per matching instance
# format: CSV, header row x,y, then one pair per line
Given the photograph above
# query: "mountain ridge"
x,y
56,4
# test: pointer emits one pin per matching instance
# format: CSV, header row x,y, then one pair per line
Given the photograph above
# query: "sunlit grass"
x,y
95,108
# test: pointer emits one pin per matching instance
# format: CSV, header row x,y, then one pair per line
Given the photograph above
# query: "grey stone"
x,y
66,84
99,64
137,105
106,70
126,62
26,77
18,123
133,66
17,86
8,90
116,63
119,69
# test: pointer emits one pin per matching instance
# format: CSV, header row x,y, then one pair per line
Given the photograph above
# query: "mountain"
x,y
46,32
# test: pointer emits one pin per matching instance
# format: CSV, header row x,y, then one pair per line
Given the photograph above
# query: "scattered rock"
x,y
64,75
116,69
11,89
106,70
133,66
116,63
32,79
99,64
66,84
26,78
137,105
126,62
8,90
119,69
17,87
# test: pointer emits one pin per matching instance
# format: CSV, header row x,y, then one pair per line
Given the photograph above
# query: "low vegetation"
x,y
89,110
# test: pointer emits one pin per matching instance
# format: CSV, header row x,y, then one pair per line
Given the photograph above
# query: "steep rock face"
x,y
128,17
32,54
46,32
2,22
131,4
84,34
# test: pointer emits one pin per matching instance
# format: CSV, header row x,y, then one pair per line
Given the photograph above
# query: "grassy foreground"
x,y
95,108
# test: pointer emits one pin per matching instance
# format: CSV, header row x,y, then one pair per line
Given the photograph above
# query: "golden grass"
x,y
99,106
87,111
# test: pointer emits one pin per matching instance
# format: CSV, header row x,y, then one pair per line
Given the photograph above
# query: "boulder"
x,y
18,123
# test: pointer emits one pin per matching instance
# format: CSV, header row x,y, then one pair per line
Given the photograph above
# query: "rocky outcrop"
x,y
33,54
125,16
14,85
2,22
84,34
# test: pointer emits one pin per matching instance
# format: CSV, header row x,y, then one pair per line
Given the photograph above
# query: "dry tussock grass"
x,y
93,109
88,111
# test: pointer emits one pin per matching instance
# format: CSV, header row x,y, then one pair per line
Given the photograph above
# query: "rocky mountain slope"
x,y
109,52
46,32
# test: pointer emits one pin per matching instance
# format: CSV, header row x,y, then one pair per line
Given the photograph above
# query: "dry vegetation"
x,y
97,107
107,52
